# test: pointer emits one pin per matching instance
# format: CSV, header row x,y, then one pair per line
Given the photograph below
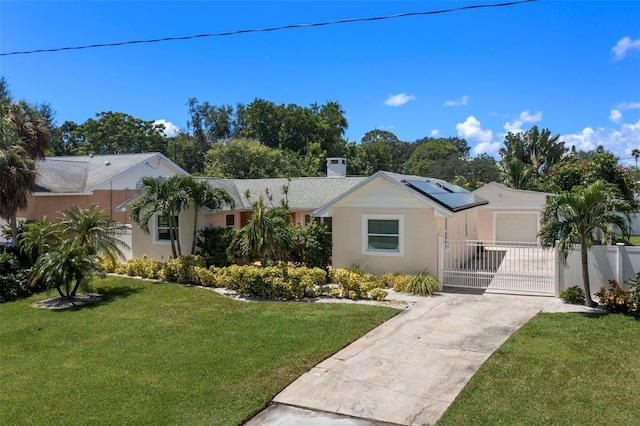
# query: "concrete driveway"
x,y
408,370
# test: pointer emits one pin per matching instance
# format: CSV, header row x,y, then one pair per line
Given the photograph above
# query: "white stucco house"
x,y
390,223
511,214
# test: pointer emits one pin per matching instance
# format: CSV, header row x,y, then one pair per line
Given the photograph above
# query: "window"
x,y
328,221
230,220
382,234
162,228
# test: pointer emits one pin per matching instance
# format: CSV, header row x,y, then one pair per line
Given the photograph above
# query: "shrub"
x,y
213,243
312,245
180,270
108,264
420,284
144,267
13,279
573,295
615,298
355,284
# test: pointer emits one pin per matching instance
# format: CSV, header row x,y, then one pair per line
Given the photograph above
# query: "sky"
x,y
572,67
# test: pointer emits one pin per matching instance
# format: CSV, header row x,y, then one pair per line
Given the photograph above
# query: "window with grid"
x,y
382,234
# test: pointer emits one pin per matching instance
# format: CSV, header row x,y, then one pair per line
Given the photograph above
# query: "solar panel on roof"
x,y
452,197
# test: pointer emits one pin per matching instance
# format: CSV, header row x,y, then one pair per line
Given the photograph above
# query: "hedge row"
x,y
280,282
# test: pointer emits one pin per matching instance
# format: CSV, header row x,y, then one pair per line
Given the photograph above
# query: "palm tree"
x,y
60,267
91,228
635,153
267,235
38,238
202,194
576,217
17,180
166,197
24,137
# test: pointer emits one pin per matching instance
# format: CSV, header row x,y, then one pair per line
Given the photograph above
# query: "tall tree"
x,y
201,194
531,154
437,158
24,137
164,197
576,217
117,132
635,153
244,159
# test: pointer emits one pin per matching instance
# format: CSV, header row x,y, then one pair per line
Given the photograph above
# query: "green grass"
x,y
635,240
162,354
559,369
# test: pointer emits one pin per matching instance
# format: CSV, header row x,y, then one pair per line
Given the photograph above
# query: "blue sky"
x,y
572,67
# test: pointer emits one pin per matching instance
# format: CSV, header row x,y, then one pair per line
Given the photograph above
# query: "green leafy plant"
x,y
573,295
213,243
615,298
634,287
421,284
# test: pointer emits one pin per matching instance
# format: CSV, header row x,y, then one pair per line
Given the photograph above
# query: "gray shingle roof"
x,y
79,174
305,193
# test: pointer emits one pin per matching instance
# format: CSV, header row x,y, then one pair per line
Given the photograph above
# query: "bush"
x,y
312,245
615,298
573,295
144,267
279,282
420,284
356,284
13,279
213,243
181,269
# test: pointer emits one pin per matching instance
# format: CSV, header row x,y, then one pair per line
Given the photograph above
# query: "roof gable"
x,y
428,191
83,174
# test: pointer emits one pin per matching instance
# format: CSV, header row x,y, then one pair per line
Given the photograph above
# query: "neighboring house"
x,y
390,223
511,215
104,180
303,195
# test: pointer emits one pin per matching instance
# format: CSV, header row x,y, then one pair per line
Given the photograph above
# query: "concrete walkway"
x,y
408,370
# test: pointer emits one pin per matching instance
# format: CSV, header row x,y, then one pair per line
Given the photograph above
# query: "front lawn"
x,y
154,353
558,369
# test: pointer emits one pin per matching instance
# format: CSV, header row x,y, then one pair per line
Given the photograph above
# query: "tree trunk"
x,y
172,235
14,230
195,232
585,275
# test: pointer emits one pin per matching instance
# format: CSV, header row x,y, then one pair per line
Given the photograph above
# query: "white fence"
x,y
618,262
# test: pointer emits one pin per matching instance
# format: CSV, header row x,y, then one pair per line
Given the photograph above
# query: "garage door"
x,y
516,227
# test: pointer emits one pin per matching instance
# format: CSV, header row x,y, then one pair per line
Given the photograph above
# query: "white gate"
x,y
498,267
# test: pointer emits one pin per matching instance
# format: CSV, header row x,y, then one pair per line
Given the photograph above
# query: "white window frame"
x,y
365,234
157,229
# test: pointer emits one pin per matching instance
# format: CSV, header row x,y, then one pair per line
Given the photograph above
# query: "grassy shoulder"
x,y
558,369
154,353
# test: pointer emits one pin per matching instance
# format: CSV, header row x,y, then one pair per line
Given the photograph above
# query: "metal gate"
x,y
498,267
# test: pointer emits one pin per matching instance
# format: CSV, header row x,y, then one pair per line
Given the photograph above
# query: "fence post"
x,y
441,261
619,264
556,275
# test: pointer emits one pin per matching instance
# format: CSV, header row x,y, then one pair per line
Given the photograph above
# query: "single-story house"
x,y
511,214
104,180
391,223
303,196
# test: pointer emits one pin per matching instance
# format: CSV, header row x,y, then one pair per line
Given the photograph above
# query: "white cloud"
x,y
399,99
629,105
463,101
619,141
515,126
170,129
490,148
434,133
615,116
624,45
471,130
